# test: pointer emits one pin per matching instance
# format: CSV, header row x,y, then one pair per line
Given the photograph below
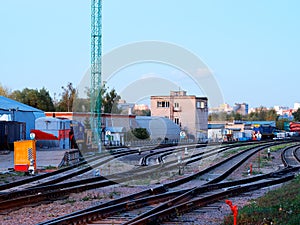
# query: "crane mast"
x,y
96,55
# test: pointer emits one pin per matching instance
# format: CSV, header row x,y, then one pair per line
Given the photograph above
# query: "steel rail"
x,y
178,148
295,153
203,201
43,188
287,161
210,186
66,169
54,173
61,190
105,210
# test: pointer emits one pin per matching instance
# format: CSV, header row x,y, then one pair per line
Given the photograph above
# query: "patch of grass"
x,y
50,167
10,177
3,176
235,150
140,182
280,206
90,197
112,194
230,152
278,147
68,201
244,147
264,162
86,198
256,172
18,173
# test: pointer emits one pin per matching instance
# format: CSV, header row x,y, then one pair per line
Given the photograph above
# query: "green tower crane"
x,y
96,55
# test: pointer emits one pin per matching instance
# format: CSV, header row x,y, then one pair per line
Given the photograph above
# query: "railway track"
x,y
290,157
72,171
203,200
94,213
159,156
65,173
159,207
37,184
292,167
16,199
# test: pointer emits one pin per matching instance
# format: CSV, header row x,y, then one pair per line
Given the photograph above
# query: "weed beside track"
x,y
280,206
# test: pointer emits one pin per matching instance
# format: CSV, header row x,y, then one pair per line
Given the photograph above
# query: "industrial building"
x,y
240,130
241,108
188,111
159,128
16,121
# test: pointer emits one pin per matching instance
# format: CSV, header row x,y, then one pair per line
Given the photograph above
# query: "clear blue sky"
x,y
252,47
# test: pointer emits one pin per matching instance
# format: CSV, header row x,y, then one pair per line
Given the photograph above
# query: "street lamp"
x,y
13,110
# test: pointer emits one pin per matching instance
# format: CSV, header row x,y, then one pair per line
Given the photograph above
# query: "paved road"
x,y
43,159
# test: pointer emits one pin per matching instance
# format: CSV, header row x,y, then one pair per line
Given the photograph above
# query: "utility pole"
x,y
96,65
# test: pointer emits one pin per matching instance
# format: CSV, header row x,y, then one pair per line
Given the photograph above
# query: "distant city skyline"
x,y
229,107
252,48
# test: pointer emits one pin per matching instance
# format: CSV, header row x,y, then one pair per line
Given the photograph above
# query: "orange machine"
x,y
25,156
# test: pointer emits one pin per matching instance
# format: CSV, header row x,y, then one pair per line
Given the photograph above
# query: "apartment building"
x,y
241,108
188,111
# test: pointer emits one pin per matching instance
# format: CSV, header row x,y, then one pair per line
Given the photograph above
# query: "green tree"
x,y
146,112
260,114
68,97
271,115
238,116
280,123
263,114
229,116
39,99
137,133
253,116
107,100
257,115
110,102
219,116
297,115
4,91
81,105
45,101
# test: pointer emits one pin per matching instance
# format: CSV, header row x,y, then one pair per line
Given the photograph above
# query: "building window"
x,y
176,105
201,105
177,121
163,104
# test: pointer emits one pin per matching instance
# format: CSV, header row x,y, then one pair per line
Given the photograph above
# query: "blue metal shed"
x,y
159,127
17,111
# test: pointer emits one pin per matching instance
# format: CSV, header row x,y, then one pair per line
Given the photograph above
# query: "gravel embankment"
x,y
36,214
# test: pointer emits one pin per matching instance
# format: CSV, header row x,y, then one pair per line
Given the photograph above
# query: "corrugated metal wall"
x,y
11,131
